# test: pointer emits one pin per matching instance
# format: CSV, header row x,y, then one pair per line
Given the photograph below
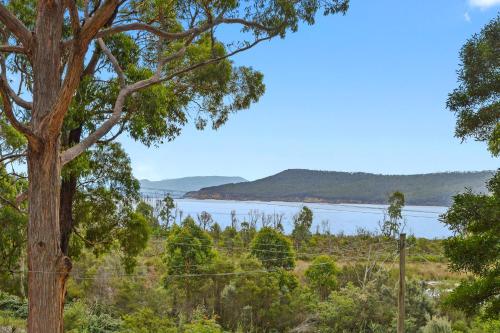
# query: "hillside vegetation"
x,y
435,189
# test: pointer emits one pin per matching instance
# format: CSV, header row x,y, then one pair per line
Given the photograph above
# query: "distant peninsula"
x,y
433,189
187,184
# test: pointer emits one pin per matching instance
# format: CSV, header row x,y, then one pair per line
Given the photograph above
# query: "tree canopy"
x,y
476,101
273,249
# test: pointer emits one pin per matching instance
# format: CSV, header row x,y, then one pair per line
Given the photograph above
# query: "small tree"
x,y
205,220
302,226
216,232
164,210
231,240
393,226
273,249
247,233
322,275
189,253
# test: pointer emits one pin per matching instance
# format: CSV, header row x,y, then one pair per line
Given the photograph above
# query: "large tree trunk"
x,y
48,267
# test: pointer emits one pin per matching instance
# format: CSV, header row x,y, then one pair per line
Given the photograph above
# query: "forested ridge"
x,y
434,189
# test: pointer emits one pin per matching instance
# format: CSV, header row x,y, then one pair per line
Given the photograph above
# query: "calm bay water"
x,y
421,221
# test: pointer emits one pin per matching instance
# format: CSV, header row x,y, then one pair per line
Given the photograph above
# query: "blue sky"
x,y
363,92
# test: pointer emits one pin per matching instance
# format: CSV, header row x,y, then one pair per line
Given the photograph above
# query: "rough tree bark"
x,y
48,267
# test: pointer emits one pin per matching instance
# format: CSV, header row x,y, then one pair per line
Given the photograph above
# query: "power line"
x,y
263,271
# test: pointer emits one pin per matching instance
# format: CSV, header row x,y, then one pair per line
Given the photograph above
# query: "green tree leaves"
x,y
273,249
475,248
476,102
322,275
393,226
302,223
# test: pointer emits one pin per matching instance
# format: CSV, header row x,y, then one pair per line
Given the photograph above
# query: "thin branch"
x,y
214,60
75,231
13,157
21,197
117,134
5,92
169,36
11,204
9,113
16,98
113,60
12,49
15,26
5,85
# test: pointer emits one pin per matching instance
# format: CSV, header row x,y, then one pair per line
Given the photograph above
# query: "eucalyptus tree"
x,y
302,223
475,218
393,226
476,100
142,67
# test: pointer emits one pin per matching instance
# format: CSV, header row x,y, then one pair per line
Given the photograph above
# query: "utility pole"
x,y
402,284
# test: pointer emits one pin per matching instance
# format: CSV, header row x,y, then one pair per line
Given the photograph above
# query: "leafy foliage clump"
x,y
475,248
476,102
273,249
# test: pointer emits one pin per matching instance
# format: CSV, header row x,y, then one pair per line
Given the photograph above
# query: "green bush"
x,y
437,325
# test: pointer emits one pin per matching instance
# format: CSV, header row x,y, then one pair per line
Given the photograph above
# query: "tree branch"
x,y
15,26
80,44
12,156
9,113
5,85
114,62
98,20
90,69
11,204
12,49
21,197
71,153
74,17
214,60
169,36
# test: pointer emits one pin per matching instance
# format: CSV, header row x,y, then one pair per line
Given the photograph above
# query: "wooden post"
x,y
402,284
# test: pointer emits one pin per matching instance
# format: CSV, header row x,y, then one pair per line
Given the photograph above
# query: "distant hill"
x,y
187,183
434,189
